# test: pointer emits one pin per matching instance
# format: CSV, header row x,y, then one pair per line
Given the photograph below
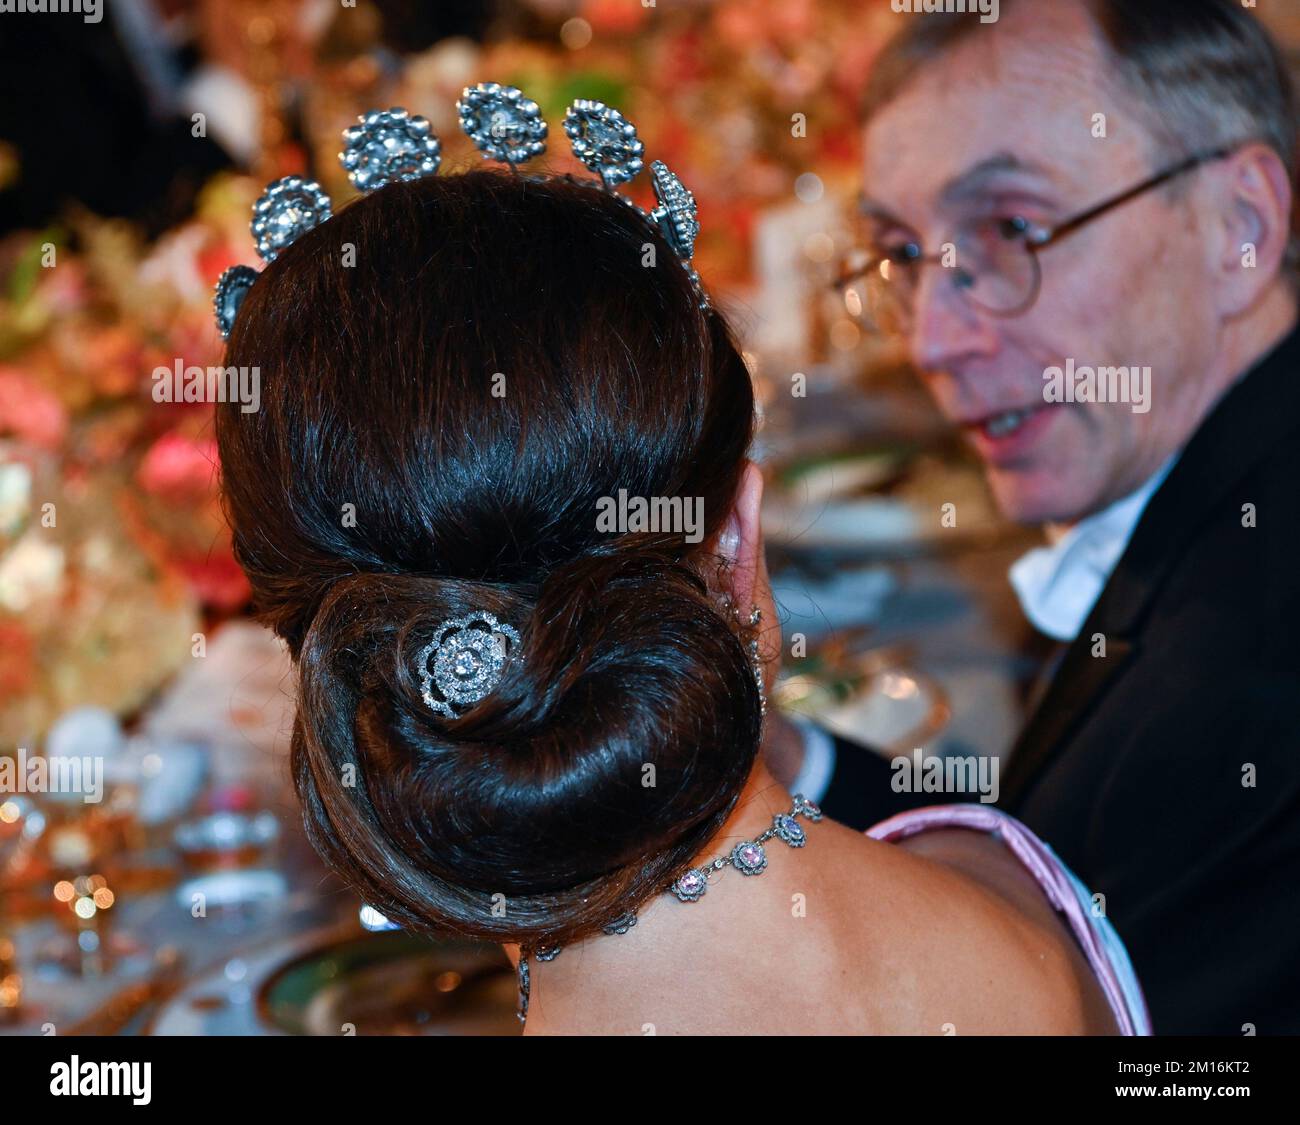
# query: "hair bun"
x,y
439,423
612,749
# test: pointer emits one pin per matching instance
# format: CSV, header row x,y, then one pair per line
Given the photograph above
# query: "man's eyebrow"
x,y
962,186
975,179
870,209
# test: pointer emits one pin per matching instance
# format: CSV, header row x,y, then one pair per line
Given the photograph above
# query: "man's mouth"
x,y
1004,424
1008,435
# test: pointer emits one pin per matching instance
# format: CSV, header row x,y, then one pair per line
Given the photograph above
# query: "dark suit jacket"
x,y
1166,773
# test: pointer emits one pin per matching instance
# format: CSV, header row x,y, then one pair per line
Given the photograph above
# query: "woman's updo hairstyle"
x,y
454,371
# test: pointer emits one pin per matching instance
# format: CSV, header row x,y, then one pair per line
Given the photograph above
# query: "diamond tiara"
x,y
392,145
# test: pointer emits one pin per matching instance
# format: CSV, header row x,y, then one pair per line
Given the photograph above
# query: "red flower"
x,y
30,411
17,660
176,464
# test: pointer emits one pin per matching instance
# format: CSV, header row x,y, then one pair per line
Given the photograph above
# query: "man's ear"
x,y
1257,221
740,543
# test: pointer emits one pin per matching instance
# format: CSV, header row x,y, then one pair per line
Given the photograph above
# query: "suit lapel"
x,y
1264,404
1077,684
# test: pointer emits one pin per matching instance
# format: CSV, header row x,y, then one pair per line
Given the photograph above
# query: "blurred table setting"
x,y
187,901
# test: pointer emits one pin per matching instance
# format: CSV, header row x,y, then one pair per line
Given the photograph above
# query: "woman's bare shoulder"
x,y
960,939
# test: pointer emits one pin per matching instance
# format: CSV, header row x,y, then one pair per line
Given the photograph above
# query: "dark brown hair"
x,y
500,357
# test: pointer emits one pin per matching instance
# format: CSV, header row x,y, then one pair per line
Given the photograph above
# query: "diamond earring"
x,y
755,657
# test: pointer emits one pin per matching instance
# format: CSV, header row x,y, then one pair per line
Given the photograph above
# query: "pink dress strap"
x,y
1096,936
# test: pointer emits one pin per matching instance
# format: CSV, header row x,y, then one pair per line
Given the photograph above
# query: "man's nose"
x,y
946,328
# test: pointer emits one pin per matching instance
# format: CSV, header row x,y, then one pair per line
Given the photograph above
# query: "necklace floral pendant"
x,y
789,830
691,886
749,858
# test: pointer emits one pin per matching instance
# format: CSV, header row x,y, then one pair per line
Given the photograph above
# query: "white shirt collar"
x,y
1059,584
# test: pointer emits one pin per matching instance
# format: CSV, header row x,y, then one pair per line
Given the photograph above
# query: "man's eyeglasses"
x,y
994,263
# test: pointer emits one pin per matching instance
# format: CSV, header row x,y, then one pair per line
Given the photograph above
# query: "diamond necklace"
x,y
748,857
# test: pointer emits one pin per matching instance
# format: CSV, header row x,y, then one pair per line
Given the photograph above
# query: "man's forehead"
x,y
976,179
998,106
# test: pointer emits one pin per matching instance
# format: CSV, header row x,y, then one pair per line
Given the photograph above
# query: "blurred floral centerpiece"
x,y
113,552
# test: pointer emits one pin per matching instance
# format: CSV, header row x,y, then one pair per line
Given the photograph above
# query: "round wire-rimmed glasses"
x,y
993,263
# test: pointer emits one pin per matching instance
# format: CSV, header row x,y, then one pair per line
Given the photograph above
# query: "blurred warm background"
x,y
123,619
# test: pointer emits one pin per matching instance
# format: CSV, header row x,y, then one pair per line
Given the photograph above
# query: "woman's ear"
x,y
740,543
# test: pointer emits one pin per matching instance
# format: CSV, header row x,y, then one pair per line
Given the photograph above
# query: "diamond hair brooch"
x,y
464,661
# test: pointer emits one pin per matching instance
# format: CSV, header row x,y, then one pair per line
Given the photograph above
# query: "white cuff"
x,y
818,766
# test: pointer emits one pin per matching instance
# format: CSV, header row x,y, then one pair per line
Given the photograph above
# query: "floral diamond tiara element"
x,y
676,214
231,291
503,123
390,145
464,661
285,212
604,140
607,143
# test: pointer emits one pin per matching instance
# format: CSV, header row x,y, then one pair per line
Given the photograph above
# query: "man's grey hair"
x,y
1206,72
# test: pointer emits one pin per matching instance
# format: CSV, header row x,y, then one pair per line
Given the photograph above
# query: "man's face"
x,y
1003,126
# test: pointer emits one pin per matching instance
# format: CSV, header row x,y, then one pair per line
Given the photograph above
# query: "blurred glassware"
x,y
227,839
167,775
875,503
393,984
819,597
22,824
88,899
875,697
234,891
230,857
11,980
115,1015
85,732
